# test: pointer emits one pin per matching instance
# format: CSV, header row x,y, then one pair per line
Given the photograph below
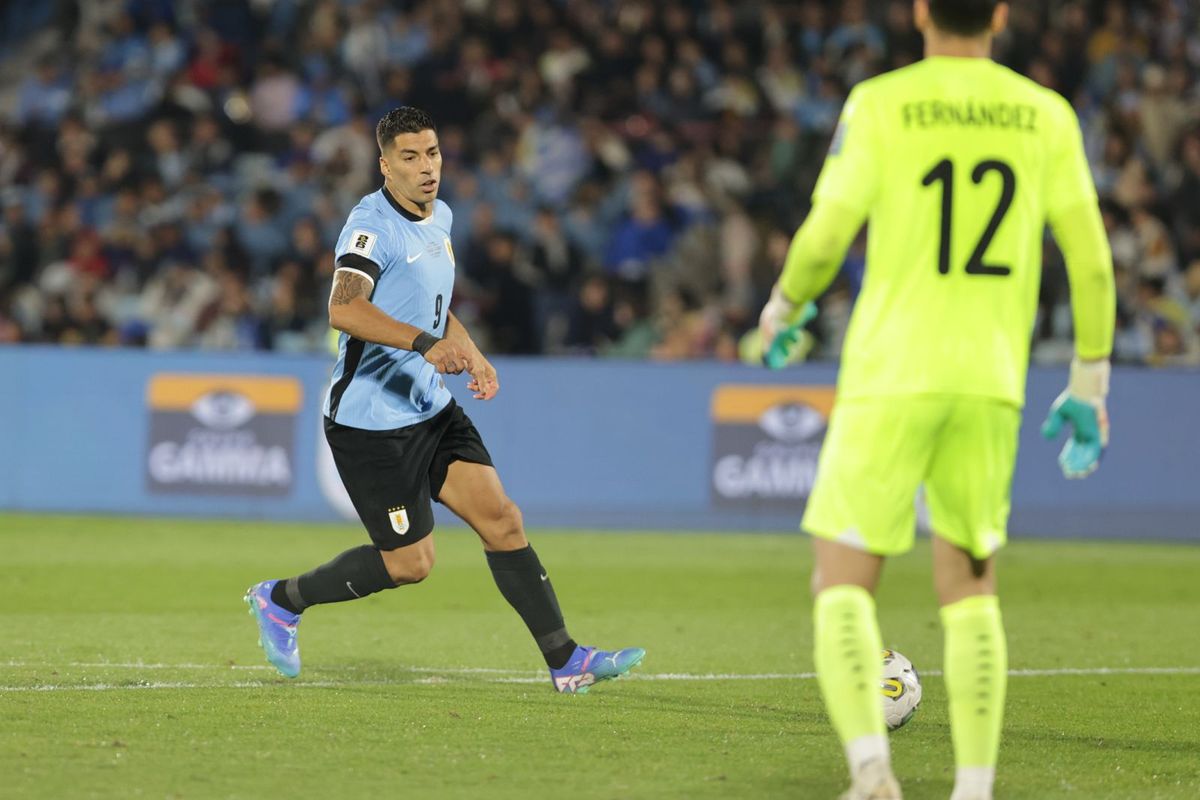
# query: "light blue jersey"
x,y
411,264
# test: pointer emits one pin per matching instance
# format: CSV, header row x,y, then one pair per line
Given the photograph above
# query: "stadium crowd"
x,y
625,175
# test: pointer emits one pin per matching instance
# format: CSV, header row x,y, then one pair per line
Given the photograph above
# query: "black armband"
x,y
424,342
361,265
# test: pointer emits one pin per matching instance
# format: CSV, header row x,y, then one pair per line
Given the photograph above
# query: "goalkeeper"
x,y
957,163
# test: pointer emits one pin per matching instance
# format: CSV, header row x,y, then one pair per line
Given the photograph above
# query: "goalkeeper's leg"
x,y
847,653
976,665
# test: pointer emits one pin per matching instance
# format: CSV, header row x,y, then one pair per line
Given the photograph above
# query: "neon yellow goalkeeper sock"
x,y
849,668
976,678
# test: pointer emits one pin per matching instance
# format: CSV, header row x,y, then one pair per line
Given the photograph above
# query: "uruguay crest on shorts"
x,y
399,518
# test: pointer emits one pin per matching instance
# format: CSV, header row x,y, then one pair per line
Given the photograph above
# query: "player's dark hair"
x,y
404,119
963,17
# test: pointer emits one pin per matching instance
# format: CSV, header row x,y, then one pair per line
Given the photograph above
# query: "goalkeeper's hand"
x,y
1081,405
780,325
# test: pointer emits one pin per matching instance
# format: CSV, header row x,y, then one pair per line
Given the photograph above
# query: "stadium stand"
x,y
625,175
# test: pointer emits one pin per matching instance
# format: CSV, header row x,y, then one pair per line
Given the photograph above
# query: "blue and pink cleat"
x,y
277,637
276,629
588,666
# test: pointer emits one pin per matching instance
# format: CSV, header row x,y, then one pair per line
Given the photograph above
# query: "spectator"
x,y
1162,112
275,97
44,96
508,308
19,251
555,265
1187,293
641,237
170,161
258,230
591,326
1185,200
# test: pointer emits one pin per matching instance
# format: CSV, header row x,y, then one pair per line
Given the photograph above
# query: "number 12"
x,y
944,171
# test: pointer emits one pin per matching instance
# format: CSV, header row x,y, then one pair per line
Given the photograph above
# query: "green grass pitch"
x,y
129,669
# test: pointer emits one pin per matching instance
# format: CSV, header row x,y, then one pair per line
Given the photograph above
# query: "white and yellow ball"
x,y
901,689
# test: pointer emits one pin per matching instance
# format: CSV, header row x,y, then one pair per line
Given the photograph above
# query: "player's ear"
x,y
1000,19
383,166
921,14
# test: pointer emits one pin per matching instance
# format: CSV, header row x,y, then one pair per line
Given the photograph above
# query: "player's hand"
x,y
484,382
780,325
1082,406
449,358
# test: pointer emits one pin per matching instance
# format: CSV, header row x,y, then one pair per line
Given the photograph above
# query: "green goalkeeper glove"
x,y
780,325
1081,405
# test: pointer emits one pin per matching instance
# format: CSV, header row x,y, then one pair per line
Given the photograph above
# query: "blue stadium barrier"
x,y
579,443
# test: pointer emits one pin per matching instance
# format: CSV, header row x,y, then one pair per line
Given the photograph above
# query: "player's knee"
x,y
414,572
957,573
507,527
952,586
421,569
413,567
422,574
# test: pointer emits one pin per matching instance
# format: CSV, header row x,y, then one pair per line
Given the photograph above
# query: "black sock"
x,y
523,582
353,574
279,597
559,656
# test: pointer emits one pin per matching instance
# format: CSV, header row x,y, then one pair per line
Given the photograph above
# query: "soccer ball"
x,y
901,689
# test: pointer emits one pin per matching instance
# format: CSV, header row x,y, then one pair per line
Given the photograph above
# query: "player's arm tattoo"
x,y
348,285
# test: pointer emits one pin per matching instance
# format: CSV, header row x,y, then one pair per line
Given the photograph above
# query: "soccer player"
x,y
399,439
957,163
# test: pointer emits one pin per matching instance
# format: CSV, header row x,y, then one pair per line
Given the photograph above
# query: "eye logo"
x,y
223,410
793,422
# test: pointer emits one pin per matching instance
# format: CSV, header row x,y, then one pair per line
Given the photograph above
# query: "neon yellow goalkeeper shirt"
x,y
957,164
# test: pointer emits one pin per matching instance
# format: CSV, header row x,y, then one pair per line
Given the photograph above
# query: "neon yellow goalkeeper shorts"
x,y
878,451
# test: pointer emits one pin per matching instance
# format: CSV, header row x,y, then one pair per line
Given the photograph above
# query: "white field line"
x,y
434,676
267,667
807,676
1037,673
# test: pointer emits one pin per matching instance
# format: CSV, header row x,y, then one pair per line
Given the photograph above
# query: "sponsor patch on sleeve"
x,y
362,242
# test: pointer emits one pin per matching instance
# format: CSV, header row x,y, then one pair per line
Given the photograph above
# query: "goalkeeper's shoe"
x,y
276,629
873,781
1082,406
588,666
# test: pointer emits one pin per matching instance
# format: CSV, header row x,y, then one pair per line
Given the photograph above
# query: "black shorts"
x,y
393,476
